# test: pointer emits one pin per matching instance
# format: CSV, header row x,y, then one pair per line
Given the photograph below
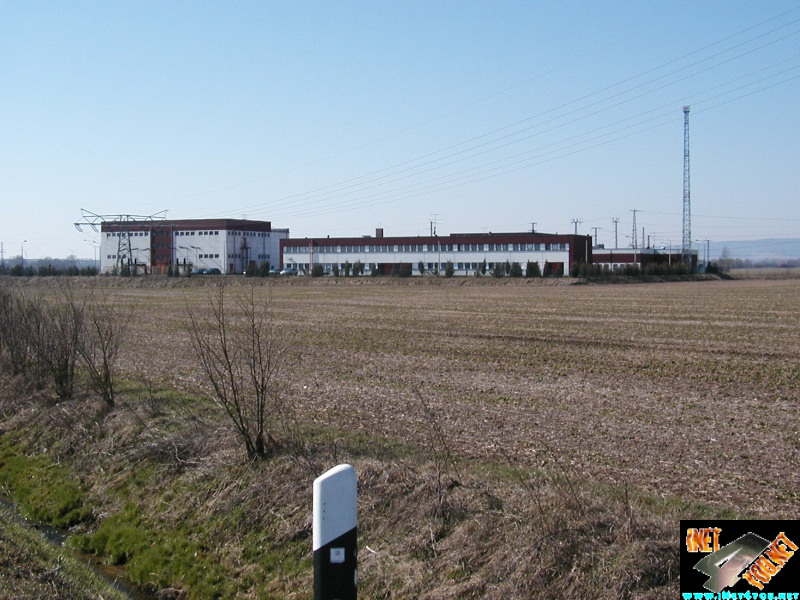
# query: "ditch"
x,y
114,575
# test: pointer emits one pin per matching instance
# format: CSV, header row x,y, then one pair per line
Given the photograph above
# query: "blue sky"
x,y
337,117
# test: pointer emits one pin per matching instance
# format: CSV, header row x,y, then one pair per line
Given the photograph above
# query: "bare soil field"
x,y
511,437
688,390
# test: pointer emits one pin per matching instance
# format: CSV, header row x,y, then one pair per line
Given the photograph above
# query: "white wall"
x,y
192,249
110,249
430,258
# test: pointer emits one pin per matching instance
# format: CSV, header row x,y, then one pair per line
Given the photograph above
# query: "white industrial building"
x,y
152,247
467,252
619,258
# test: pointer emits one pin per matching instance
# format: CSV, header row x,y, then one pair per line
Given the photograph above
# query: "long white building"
x,y
230,245
467,252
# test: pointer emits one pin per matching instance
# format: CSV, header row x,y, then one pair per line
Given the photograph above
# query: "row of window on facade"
x,y
181,233
431,266
128,234
249,233
547,247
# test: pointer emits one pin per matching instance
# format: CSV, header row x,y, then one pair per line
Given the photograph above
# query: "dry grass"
x,y
510,437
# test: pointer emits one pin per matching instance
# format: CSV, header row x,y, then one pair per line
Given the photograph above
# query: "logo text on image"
x,y
760,559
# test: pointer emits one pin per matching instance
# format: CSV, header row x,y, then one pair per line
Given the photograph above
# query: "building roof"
x,y
460,238
189,224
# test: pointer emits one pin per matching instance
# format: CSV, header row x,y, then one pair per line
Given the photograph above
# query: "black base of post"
x,y
335,568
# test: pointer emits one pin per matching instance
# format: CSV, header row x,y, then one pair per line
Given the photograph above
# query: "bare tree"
x,y
55,330
105,327
243,356
17,316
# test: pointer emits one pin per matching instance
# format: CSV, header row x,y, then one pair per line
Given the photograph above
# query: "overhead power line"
x,y
396,181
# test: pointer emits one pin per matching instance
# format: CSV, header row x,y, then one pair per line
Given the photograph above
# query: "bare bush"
x,y
105,327
442,455
54,332
17,315
243,356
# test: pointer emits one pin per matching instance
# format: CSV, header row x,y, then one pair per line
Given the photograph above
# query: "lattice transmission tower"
x,y
686,248
126,225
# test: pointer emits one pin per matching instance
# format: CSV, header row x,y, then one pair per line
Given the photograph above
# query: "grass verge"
x,y
31,567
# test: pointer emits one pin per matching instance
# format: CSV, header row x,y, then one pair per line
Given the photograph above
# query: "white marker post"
x,y
335,535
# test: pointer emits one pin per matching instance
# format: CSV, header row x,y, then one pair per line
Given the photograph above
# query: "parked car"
x,y
198,271
213,271
289,271
273,272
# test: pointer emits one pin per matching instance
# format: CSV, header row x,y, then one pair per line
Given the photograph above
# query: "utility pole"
x,y
634,241
595,235
707,256
576,222
434,223
616,222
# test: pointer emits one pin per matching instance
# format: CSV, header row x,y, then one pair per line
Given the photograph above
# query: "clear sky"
x,y
336,117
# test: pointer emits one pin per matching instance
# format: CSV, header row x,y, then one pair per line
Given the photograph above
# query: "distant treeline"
x,y
596,271
726,264
47,270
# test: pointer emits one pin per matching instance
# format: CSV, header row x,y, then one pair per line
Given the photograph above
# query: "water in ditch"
x,y
115,575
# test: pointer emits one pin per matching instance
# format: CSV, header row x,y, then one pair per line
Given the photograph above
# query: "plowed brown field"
x,y
684,390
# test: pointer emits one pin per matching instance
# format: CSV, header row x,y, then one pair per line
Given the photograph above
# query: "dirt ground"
x,y
512,438
683,390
